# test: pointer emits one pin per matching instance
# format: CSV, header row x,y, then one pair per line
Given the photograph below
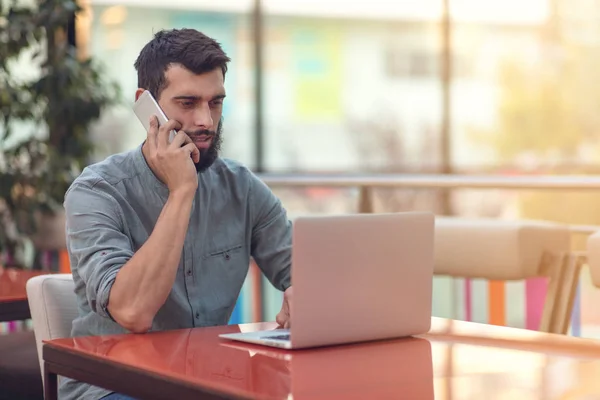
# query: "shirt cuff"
x,y
104,295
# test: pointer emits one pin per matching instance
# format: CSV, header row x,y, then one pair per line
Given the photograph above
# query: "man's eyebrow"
x,y
196,98
191,98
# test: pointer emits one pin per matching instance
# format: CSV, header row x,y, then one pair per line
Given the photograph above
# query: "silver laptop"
x,y
356,278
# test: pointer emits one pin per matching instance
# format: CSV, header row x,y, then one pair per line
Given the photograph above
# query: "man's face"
x,y
196,102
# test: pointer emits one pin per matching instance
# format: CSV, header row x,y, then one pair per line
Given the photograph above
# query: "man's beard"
x,y
208,156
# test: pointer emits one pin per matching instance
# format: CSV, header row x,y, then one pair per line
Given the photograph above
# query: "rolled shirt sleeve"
x,y
96,242
271,234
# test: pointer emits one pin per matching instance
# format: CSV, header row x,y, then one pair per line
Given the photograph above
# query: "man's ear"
x,y
138,93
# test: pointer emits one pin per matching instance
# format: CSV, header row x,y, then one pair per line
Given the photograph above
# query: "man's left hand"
x,y
283,318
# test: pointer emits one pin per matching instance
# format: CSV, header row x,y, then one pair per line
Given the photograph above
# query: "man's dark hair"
x,y
192,49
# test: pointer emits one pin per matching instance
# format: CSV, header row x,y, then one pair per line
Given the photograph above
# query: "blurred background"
x,y
326,87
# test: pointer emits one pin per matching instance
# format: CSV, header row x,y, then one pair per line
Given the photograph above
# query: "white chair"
x,y
512,250
53,306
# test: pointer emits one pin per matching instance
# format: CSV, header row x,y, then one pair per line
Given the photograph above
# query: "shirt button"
x,y
189,272
227,256
197,315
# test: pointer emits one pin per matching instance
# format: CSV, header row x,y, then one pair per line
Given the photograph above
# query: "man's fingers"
x,y
165,130
180,139
283,319
153,131
193,151
280,319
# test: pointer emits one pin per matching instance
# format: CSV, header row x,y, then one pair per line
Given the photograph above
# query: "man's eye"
x,y
187,104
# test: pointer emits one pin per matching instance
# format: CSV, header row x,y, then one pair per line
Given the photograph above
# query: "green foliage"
x,y
63,101
550,111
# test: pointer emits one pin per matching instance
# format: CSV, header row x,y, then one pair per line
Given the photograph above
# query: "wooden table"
x,y
455,360
13,296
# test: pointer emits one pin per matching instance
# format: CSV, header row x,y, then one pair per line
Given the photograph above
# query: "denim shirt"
x,y
111,210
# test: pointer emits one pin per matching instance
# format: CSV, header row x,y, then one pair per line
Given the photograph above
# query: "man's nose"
x,y
203,117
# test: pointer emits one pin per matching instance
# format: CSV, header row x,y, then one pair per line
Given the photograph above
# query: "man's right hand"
x,y
173,163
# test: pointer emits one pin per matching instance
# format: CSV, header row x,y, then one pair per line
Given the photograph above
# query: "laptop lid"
x,y
361,277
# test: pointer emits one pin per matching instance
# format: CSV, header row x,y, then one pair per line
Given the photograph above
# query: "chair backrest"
x,y
53,306
496,249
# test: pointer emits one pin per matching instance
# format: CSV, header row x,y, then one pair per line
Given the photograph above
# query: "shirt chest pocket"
x,y
224,271
221,276
225,253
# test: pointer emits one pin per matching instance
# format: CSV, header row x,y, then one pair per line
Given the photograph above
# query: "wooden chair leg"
x,y
564,275
569,290
553,268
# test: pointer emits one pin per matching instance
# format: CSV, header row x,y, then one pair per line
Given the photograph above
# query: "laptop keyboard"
x,y
285,336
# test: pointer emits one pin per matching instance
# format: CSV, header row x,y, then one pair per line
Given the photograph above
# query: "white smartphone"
x,y
145,107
